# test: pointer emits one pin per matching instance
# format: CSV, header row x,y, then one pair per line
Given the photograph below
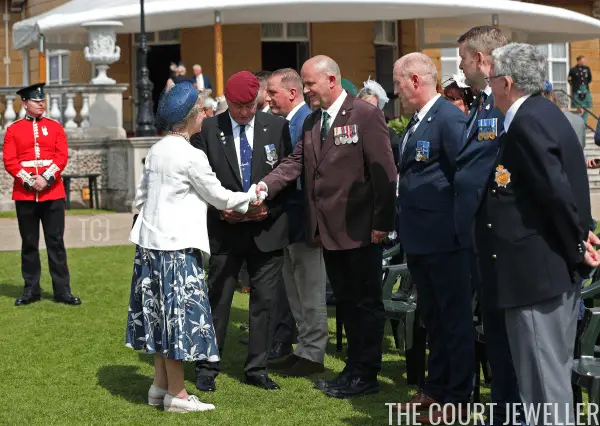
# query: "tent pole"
x,y
218,53
42,57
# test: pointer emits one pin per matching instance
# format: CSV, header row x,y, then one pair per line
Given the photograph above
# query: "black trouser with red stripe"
x,y
52,216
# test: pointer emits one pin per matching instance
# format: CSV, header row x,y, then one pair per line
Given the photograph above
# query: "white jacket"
x,y
176,187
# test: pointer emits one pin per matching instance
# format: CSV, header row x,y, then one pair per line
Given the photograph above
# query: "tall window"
x,y
450,62
558,69
386,53
57,72
57,66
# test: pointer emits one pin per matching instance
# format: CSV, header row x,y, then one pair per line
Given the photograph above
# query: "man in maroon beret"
x,y
242,147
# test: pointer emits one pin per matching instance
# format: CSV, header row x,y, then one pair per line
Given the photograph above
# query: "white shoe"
x,y
156,396
180,405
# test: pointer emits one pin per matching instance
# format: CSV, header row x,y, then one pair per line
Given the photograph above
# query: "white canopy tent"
x,y
439,20
533,23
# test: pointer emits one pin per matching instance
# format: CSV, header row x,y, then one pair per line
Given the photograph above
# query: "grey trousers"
x,y
304,279
542,340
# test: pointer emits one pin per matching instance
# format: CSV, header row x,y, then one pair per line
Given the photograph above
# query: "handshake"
x,y
258,193
257,211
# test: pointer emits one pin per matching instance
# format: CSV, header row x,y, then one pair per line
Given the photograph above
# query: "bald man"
x,y
349,176
439,265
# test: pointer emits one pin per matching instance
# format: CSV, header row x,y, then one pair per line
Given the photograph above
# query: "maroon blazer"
x,y
350,188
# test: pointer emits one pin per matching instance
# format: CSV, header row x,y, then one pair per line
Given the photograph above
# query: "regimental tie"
x,y
245,159
410,128
325,127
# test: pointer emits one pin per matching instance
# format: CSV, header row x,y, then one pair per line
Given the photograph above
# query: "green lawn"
x,y
12,213
68,365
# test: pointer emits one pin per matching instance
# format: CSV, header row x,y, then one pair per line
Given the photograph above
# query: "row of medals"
x,y
343,139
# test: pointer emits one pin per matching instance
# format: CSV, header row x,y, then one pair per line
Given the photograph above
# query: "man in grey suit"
x,y
303,264
575,119
532,261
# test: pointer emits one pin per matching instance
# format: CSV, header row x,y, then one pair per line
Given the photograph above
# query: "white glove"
x,y
252,194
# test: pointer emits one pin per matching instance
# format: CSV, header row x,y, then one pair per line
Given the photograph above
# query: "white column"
x,y
9,111
70,112
25,54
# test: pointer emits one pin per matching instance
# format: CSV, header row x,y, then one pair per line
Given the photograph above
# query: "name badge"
x,y
345,134
272,156
422,151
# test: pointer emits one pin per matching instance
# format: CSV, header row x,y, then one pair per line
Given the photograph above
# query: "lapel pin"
x,y
487,107
265,129
343,112
429,119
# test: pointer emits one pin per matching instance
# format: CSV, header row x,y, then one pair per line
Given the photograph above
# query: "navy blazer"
x,y
295,205
473,167
535,212
426,193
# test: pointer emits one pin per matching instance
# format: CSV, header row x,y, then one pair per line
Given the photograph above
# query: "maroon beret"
x,y
242,87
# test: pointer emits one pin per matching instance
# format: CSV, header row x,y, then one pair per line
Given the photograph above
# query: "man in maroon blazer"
x,y
347,164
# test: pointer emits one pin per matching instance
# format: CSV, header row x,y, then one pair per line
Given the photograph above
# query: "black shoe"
x,y
243,340
357,386
282,364
26,299
206,383
279,350
341,380
244,327
68,299
263,381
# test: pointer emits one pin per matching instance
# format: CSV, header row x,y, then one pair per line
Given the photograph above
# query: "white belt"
x,y
36,163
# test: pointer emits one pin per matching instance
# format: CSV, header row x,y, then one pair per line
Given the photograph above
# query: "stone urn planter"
x,y
102,50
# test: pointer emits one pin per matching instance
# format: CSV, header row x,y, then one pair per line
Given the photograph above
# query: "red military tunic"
x,y
36,147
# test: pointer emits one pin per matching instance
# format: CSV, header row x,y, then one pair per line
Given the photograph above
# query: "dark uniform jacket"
x,y
536,209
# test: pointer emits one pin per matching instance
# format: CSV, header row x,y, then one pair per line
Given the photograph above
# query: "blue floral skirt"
x,y
169,311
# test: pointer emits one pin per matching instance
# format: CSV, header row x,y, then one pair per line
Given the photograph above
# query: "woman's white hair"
x,y
372,88
524,64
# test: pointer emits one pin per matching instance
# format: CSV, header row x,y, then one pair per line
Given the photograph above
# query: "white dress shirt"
x,y
200,82
176,187
510,114
335,108
420,115
249,129
294,111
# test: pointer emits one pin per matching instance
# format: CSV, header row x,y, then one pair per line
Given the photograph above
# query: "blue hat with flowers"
x,y
547,87
176,104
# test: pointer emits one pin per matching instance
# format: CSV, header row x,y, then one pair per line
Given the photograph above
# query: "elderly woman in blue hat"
x,y
169,311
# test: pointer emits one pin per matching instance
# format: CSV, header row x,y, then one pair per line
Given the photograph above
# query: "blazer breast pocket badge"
x,y
345,134
487,129
422,151
271,155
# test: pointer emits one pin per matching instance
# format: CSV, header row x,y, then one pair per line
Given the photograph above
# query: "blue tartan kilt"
x,y
169,311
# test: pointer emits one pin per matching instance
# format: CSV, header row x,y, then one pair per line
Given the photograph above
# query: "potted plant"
x,y
399,124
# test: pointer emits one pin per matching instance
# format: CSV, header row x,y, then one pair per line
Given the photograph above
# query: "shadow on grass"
x,y
12,291
125,382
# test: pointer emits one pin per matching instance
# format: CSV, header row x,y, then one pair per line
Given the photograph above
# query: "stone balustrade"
x,y
100,106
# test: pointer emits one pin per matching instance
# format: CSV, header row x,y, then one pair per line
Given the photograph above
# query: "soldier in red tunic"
x,y
35,154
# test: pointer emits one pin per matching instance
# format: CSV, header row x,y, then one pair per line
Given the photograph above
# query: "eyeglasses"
x,y
489,79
